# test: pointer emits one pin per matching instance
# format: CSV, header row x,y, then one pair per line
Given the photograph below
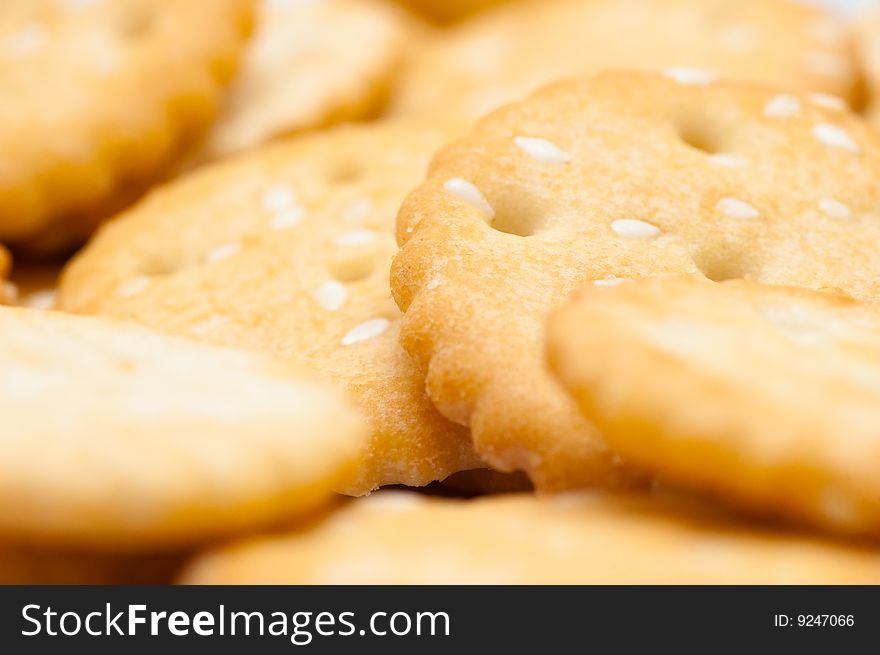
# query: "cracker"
x,y
311,64
764,395
509,52
106,96
118,438
618,176
519,539
287,251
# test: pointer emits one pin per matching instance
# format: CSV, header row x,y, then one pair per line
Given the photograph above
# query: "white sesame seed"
x,y
738,38
355,238
26,41
736,208
827,64
44,299
358,211
133,286
433,283
331,295
782,106
366,330
279,198
828,101
467,192
543,150
835,209
690,76
287,219
75,5
728,161
222,252
609,282
834,137
828,31
209,325
634,229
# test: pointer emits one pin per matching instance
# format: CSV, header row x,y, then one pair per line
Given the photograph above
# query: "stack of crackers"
x,y
349,291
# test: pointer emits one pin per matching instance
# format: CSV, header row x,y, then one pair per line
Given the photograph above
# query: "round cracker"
x,y
287,251
766,395
618,176
579,539
311,64
118,438
507,53
100,99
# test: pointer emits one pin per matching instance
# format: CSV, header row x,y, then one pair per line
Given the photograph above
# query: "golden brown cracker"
x,y
520,539
507,53
106,96
311,64
116,438
764,395
287,251
618,176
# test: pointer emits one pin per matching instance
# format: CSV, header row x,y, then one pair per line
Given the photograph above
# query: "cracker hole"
x,y
521,217
511,224
701,136
138,24
353,268
160,266
345,173
722,266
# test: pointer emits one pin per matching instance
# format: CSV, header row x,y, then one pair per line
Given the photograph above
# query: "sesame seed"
x,y
279,198
634,229
828,101
287,219
355,238
209,325
834,137
222,252
736,208
690,76
133,286
827,64
542,150
782,106
467,192
609,282
358,211
26,41
365,331
331,295
728,161
835,209
738,38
